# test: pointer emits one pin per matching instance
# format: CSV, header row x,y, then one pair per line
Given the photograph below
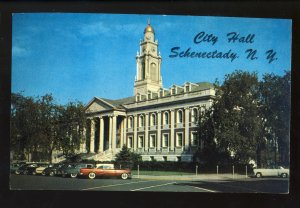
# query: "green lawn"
x,y
161,173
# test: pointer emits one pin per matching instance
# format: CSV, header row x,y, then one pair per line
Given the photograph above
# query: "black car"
x,y
15,166
26,168
52,169
73,170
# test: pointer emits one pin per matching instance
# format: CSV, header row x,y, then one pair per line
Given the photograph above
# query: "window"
x,y
165,142
161,93
179,139
179,116
142,121
166,118
141,141
194,115
152,140
173,91
129,142
153,119
187,88
130,122
194,140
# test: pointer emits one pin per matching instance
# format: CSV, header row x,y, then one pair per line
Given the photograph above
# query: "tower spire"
x,y
148,21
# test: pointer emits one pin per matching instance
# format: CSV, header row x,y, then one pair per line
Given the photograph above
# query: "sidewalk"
x,y
194,177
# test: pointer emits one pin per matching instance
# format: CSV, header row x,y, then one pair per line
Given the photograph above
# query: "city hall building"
x,y
156,122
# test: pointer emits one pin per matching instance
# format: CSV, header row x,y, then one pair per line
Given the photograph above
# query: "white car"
x,y
279,171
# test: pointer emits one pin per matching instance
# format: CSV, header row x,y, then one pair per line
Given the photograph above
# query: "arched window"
x,y
153,119
179,116
166,118
194,115
142,121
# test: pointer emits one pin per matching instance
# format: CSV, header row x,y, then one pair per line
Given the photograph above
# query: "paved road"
x,y
161,184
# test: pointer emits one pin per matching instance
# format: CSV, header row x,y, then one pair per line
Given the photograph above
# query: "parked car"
x,y
274,171
74,169
15,166
61,169
105,171
41,167
52,169
26,168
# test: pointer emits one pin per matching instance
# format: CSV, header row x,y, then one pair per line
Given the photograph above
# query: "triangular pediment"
x,y
97,105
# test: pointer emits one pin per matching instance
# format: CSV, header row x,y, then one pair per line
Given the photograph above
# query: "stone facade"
x,y
158,123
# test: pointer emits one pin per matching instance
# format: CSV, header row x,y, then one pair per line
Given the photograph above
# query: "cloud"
x,y
19,51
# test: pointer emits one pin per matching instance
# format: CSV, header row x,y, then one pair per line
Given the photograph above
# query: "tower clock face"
x,y
148,37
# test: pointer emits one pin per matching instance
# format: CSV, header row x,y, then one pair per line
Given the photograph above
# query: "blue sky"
x,y
79,56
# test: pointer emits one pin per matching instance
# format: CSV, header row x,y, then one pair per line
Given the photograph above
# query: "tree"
x,y
234,125
276,108
24,127
71,124
126,158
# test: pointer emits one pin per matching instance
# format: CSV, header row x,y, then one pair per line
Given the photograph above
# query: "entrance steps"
x,y
107,155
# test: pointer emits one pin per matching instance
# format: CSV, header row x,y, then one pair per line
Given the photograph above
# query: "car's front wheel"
x,y
92,175
258,175
124,176
17,172
73,175
51,173
284,175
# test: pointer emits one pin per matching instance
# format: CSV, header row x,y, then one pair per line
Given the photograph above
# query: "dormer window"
x,y
173,91
138,98
187,88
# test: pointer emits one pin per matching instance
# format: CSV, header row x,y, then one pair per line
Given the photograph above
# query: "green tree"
x,y
276,108
126,158
71,124
24,127
235,122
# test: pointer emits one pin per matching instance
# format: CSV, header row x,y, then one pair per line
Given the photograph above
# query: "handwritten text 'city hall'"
x,y
232,37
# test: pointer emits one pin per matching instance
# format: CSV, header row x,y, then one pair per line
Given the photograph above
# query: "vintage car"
x,y
275,171
105,171
15,166
73,170
51,170
26,169
40,168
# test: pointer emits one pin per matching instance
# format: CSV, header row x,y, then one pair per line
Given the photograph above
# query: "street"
x,y
212,185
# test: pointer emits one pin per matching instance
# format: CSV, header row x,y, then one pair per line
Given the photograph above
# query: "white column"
x,y
158,130
135,132
186,127
172,136
110,133
83,143
101,135
114,133
92,136
124,132
146,131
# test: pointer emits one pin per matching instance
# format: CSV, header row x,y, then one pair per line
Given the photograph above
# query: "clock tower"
x,y
148,61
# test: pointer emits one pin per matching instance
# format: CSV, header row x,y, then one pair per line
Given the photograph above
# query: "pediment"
x,y
97,105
